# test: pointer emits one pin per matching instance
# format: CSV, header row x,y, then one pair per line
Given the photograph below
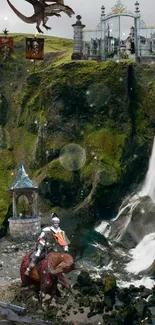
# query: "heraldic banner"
x,y
6,42
35,48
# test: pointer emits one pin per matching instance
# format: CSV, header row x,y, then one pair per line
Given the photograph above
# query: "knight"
x,y
52,238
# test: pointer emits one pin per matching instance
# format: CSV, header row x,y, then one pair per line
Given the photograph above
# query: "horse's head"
x,y
63,268
68,268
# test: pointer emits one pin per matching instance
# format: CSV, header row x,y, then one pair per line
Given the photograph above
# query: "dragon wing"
x,y
35,3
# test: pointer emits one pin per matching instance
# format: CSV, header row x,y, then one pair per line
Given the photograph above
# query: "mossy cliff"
x,y
107,108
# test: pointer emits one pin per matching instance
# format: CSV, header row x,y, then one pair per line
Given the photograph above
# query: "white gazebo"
x,y
27,223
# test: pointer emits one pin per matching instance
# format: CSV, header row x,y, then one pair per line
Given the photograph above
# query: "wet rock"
x,y
152,310
129,315
146,292
133,289
84,279
151,300
85,284
141,307
118,306
141,288
40,312
81,310
123,295
84,301
1,264
135,230
109,301
97,307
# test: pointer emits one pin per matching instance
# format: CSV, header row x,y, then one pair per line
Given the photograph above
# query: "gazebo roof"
x,y
22,181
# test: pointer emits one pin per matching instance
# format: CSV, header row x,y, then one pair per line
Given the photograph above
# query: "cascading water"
x,y
118,226
134,223
143,255
148,188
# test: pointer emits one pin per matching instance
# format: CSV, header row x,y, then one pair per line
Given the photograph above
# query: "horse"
x,y
47,273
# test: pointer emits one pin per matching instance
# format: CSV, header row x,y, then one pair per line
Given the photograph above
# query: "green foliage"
x,y
104,152
55,102
110,284
56,171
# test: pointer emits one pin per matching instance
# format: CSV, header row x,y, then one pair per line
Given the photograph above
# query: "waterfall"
x,y
118,227
148,188
134,226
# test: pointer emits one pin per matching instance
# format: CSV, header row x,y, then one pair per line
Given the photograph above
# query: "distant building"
x,y
104,42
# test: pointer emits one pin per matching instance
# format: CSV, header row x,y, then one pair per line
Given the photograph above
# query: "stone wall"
x,y
24,227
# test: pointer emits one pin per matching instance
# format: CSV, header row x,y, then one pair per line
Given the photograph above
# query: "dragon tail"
x,y
29,20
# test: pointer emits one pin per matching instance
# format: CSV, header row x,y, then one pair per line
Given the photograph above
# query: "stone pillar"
x,y
78,39
14,205
137,16
34,204
103,32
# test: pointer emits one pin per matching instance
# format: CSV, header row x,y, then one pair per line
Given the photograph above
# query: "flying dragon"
x,y
43,10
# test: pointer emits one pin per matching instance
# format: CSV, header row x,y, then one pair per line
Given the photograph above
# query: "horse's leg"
x,y
53,291
38,295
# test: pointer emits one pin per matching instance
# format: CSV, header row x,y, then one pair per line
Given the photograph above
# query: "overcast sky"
x,y
61,27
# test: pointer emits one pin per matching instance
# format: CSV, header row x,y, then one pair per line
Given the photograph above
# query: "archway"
x,y
24,206
106,38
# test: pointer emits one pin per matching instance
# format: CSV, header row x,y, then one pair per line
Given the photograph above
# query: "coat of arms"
x,y
119,8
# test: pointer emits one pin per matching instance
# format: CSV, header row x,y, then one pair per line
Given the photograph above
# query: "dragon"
x,y
42,11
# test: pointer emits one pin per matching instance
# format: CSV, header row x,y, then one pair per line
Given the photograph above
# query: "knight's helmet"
x,y
54,219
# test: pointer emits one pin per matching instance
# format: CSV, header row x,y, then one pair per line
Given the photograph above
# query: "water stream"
x,y
133,217
148,188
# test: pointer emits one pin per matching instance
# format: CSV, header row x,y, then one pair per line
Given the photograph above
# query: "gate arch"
x,y
118,11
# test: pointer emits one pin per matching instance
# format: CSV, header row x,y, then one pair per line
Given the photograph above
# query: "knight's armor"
x,y
51,238
54,239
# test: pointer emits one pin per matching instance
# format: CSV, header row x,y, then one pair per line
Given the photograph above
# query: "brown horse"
x,y
48,272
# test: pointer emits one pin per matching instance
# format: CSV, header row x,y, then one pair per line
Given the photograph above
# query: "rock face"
x,y
105,108
135,222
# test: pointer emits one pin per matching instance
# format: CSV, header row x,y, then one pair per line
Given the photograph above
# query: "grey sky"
x,y
61,27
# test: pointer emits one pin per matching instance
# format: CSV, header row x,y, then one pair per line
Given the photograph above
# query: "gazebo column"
x,y
14,205
34,204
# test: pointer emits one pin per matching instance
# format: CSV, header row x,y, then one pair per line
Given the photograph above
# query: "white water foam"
x,y
133,200
146,281
149,184
143,255
103,228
